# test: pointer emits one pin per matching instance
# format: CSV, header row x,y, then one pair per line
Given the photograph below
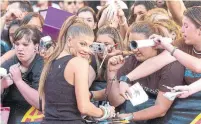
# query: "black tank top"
x,y
60,100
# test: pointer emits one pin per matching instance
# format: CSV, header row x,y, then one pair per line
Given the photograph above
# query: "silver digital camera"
x,y
45,43
98,47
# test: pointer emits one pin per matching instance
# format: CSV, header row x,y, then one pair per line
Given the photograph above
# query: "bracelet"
x,y
105,115
113,79
124,79
173,51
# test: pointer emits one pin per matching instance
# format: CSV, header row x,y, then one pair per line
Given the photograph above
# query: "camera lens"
x,y
133,44
99,49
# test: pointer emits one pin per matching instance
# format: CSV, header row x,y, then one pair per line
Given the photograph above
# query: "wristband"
x,y
124,79
105,115
173,51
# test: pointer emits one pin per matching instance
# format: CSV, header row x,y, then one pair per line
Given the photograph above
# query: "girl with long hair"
x,y
64,82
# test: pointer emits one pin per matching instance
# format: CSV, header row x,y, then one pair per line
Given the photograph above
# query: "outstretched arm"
x,y
177,9
185,59
151,65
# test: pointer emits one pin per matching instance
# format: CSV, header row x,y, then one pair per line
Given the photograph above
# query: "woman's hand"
x,y
115,63
160,41
112,51
111,110
186,91
108,112
6,82
13,14
123,89
15,73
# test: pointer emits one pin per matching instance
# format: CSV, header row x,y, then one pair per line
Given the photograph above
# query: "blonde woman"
x,y
64,87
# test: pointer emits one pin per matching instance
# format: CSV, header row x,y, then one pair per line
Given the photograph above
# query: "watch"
x,y
124,79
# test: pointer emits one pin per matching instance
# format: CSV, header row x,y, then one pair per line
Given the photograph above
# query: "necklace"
x,y
198,53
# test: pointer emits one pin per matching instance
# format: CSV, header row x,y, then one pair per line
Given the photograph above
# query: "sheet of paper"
x,y
171,95
139,96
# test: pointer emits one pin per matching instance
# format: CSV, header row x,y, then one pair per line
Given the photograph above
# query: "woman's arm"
x,y
7,56
185,59
122,23
190,89
112,90
103,19
99,95
30,94
151,65
81,77
195,87
177,9
160,108
170,75
92,75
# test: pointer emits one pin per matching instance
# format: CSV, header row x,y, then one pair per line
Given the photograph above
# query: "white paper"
x,y
3,72
139,96
171,95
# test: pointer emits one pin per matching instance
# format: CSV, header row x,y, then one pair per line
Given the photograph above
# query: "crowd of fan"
x,y
68,79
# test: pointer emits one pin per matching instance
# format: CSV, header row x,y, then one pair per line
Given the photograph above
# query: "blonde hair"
x,y
72,27
156,14
153,16
171,26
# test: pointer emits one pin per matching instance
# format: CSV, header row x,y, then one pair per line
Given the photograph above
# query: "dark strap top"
x,y
60,99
